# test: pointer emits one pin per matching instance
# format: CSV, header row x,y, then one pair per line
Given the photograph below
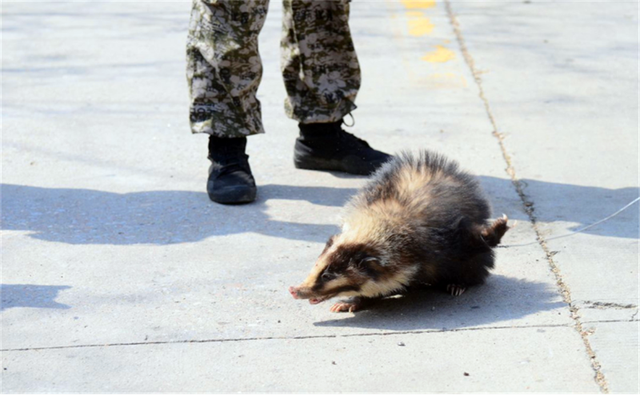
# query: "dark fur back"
x,y
453,194
444,217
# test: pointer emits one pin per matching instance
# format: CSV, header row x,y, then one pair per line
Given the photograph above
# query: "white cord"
x,y
578,230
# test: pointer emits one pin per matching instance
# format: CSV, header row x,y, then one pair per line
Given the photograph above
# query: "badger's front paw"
x,y
349,305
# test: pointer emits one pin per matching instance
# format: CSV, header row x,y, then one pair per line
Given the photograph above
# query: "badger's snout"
x,y
300,292
303,292
294,292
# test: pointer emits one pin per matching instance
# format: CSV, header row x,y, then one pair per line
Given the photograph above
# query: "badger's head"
x,y
348,268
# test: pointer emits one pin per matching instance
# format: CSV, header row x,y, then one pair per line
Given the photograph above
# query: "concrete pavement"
x,y
119,275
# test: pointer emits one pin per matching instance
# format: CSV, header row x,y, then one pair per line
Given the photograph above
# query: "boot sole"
x,y
350,164
232,194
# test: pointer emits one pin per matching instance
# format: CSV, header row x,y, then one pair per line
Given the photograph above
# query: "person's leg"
x,y
224,67
322,77
319,63
223,72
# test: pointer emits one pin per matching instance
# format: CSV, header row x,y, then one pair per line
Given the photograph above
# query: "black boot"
x,y
230,179
325,146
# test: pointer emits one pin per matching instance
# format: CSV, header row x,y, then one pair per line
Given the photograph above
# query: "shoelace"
x,y
352,119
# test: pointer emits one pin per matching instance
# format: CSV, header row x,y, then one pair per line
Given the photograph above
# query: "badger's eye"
x,y
326,276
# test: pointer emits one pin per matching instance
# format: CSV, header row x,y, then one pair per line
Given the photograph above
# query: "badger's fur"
x,y
419,221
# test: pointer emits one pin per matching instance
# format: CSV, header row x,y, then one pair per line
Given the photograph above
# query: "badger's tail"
x,y
492,234
480,238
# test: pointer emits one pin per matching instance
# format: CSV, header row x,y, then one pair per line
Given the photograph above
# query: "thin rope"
x,y
577,230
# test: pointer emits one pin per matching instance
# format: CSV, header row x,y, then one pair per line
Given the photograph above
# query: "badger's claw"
x,y
456,290
350,306
344,306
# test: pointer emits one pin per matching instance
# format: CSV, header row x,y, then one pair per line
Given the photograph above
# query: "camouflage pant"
x,y
318,63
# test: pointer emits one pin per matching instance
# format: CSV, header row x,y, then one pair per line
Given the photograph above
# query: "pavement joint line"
x,y
195,341
528,205
607,305
610,321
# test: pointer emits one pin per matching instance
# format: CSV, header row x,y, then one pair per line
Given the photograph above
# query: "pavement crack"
x,y
527,204
263,338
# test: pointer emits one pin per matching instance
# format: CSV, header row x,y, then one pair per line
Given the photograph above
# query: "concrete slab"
x,y
616,346
131,260
499,360
108,237
569,117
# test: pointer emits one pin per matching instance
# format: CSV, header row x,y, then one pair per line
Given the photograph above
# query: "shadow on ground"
x,y
500,299
82,216
582,205
30,295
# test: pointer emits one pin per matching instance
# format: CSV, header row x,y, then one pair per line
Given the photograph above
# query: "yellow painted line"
x,y
440,55
444,81
419,24
418,4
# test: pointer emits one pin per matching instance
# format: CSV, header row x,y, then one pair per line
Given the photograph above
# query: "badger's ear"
x,y
331,240
328,245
